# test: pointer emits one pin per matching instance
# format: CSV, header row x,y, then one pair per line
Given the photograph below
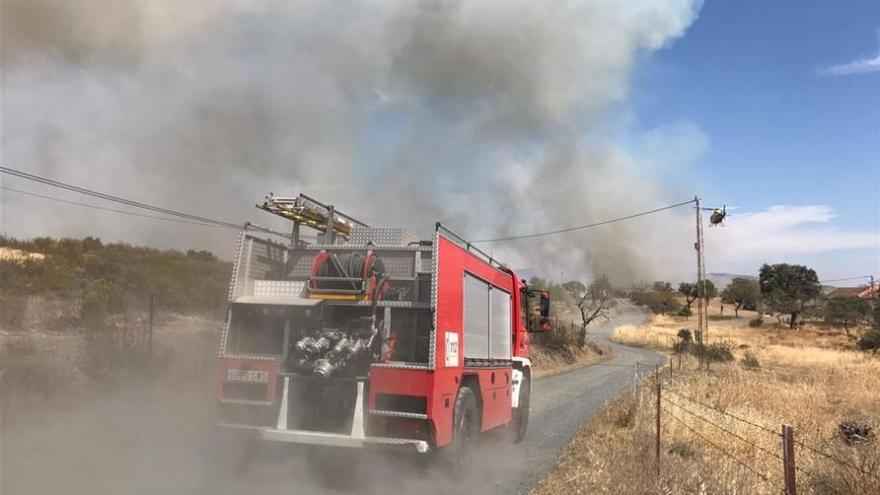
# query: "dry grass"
x,y
554,361
811,379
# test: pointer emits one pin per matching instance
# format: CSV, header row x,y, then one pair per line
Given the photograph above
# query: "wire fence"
x,y
772,450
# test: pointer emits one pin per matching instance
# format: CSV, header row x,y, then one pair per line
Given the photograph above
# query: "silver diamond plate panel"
x,y
432,347
239,247
381,237
300,263
426,262
253,357
247,402
257,259
224,335
280,288
398,414
398,264
402,366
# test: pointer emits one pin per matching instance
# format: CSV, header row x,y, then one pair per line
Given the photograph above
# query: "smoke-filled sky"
x,y
495,117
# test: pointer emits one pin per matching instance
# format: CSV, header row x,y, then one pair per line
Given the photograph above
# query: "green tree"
x,y
741,291
789,289
847,312
662,286
689,291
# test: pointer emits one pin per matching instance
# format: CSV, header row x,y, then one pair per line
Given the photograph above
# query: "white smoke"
x,y
495,117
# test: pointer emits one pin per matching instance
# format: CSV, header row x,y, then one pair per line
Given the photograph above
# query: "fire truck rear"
x,y
370,337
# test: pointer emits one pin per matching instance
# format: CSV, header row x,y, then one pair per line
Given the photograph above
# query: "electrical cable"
x,y
844,279
116,199
113,210
196,219
581,227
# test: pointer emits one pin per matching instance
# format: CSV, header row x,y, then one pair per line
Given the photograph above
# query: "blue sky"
x,y
757,79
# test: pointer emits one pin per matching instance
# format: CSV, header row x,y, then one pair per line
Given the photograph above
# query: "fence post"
x,y
657,441
788,460
150,331
635,381
3,391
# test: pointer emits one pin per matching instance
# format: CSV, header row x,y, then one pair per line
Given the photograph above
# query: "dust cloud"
x,y
495,117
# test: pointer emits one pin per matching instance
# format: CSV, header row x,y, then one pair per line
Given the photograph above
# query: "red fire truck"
x,y
370,337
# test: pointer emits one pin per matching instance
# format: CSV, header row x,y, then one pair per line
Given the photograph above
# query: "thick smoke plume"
x,y
495,117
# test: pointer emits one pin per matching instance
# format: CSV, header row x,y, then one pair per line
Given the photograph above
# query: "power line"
x,y
844,279
116,199
581,227
113,210
198,220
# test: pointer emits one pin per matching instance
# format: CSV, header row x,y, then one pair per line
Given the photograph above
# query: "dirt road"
x,y
155,440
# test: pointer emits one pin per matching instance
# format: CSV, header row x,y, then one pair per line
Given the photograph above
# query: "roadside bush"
x,y
684,450
717,352
106,276
557,338
870,341
624,414
685,312
685,335
757,322
749,361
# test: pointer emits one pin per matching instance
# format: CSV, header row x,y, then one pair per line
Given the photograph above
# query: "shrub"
x,y
719,352
870,341
757,322
749,361
684,450
685,335
685,311
625,414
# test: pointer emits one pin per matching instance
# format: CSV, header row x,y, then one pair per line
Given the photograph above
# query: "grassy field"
x,y
719,426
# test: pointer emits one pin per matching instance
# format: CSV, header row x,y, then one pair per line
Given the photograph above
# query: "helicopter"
x,y
716,218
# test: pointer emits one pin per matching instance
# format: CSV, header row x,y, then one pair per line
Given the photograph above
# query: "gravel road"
x,y
562,403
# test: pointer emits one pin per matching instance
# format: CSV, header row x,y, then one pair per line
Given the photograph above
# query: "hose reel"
x,y
355,276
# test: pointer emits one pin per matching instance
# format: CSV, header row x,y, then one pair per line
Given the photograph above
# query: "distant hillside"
x,y
722,280
107,277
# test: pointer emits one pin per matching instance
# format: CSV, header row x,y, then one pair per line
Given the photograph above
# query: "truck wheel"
x,y
465,429
521,413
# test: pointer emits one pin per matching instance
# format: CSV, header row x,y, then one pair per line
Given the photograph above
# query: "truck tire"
x,y
465,429
521,413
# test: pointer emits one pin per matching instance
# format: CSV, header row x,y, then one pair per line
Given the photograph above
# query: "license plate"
x,y
250,376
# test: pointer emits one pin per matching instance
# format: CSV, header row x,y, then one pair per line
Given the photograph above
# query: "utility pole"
x,y
702,320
